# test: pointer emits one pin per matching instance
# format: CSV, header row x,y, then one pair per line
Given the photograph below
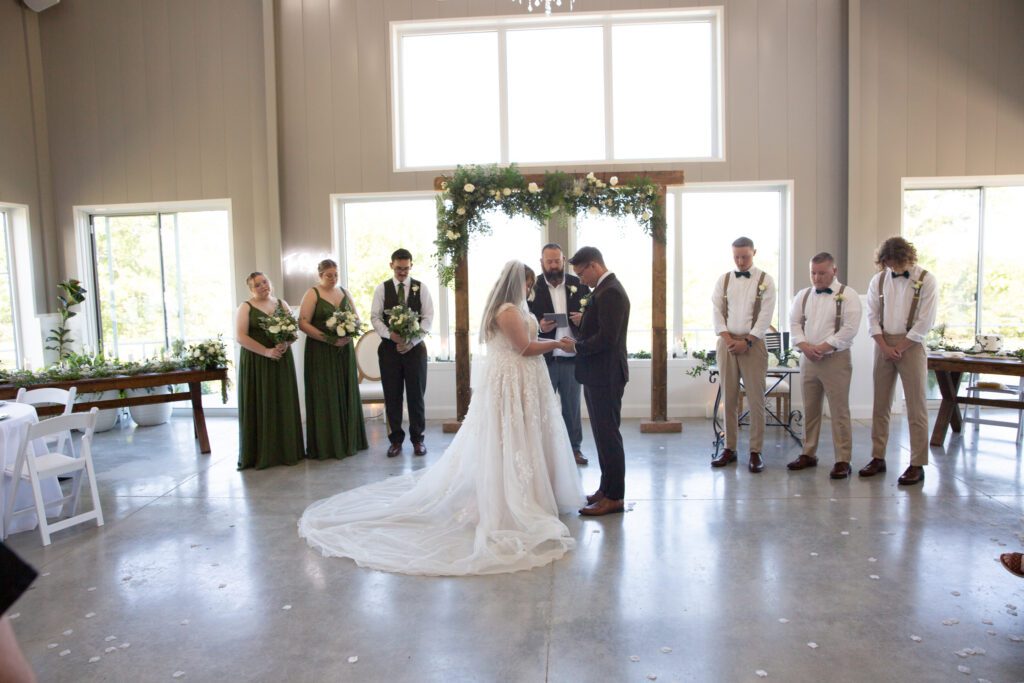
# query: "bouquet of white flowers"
x,y
404,322
209,355
343,323
280,327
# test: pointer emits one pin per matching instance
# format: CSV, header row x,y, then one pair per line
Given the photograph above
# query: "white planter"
x,y
150,415
105,419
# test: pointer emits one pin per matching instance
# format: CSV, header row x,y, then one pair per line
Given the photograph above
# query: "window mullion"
x,y
978,286
503,94
609,94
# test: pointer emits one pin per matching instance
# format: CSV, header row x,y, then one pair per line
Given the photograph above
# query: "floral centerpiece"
x,y
343,323
404,322
209,355
281,327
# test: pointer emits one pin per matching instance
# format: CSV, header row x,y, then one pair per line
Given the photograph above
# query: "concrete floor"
x,y
200,570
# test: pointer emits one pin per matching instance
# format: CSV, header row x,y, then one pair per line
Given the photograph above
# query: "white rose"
x,y
350,328
507,192
628,208
593,211
452,235
468,187
331,323
613,181
773,361
572,288
647,214
533,188
274,329
461,211
590,176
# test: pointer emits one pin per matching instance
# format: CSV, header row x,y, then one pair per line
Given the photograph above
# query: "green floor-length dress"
x,y
334,410
269,421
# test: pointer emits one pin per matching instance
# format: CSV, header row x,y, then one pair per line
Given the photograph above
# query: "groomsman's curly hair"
x,y
895,250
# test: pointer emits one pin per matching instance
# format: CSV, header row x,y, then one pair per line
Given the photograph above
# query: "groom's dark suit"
x,y
602,369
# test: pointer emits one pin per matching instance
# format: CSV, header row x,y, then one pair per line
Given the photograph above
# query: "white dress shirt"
x,y
560,302
821,317
380,325
742,294
899,296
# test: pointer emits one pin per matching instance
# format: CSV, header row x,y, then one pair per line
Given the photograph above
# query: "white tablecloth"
x,y
12,430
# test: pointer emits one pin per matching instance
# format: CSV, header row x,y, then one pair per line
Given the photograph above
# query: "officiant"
x,y
556,304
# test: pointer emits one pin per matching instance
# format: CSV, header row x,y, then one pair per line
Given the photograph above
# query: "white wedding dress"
x,y
489,505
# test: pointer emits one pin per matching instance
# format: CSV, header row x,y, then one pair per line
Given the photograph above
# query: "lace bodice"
x,y
500,342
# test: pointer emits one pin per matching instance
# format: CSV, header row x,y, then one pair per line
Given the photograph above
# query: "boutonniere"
x,y
916,284
415,288
572,289
839,297
761,288
583,304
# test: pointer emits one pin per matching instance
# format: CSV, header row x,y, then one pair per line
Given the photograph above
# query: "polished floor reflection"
x,y
712,576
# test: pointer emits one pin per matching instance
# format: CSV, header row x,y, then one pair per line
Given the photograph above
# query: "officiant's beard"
x,y
554,277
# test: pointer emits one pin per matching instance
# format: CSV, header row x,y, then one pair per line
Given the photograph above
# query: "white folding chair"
x,y
36,467
975,388
371,390
38,397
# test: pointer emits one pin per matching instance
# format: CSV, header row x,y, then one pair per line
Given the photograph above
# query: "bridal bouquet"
x,y
280,327
404,322
210,354
342,323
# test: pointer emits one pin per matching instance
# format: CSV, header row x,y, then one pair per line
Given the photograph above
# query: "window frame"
x,y
502,25
8,225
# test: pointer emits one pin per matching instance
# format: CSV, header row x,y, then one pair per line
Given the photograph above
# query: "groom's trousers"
x,y
403,373
604,404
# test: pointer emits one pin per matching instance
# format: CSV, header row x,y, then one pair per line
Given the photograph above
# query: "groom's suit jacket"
x,y
601,342
541,304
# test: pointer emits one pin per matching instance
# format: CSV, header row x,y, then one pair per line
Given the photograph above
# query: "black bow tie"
x,y
827,290
905,273
742,273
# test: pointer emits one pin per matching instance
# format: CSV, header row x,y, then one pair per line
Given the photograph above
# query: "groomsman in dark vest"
x,y
556,304
902,301
603,370
403,365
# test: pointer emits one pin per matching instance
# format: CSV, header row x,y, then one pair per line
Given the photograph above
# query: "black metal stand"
x,y
771,420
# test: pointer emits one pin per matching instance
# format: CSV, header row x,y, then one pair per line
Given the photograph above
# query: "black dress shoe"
x,y
803,462
580,459
872,468
841,470
728,456
419,448
394,450
755,464
912,475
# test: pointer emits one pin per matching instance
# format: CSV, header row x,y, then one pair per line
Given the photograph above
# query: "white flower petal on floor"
x,y
812,645
177,674
652,677
845,533
955,594
15,615
874,577
634,658
93,660
286,607
987,622
979,650
110,638
761,673
872,559
90,615
125,646
991,632
353,659
69,631
666,650
110,649
783,620
814,554
65,653
916,639
52,646
45,574
964,669
853,519
1016,639
90,589
950,622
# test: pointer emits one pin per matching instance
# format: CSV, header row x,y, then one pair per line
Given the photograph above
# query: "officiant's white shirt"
x,y
380,326
560,302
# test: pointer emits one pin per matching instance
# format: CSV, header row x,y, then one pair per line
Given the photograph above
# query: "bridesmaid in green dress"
x,y
269,422
334,410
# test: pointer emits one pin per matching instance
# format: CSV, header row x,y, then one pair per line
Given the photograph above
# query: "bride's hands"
x,y
567,344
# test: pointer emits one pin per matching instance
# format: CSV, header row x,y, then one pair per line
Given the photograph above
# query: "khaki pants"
x,y
828,378
912,370
751,366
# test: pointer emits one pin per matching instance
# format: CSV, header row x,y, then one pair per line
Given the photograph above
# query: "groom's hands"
x,y
567,344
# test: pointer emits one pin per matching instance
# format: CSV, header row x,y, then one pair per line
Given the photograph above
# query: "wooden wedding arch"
x,y
659,422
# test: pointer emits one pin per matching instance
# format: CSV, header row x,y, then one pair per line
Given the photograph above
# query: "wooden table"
x,y
950,371
193,378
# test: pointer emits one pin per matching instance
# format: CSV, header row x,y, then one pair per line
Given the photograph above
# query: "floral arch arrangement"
x,y
472,191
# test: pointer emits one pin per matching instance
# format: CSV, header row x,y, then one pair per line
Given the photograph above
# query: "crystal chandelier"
x,y
530,4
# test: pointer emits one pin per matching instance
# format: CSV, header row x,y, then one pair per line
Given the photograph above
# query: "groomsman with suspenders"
x,y
902,300
403,366
743,305
824,319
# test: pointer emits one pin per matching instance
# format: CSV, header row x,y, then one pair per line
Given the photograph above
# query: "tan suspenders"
x,y
757,298
913,304
839,308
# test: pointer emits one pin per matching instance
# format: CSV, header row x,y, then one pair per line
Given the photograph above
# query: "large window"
x,y
370,228
969,235
10,353
587,87
161,277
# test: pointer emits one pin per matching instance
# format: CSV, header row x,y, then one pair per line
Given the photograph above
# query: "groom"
x,y
602,369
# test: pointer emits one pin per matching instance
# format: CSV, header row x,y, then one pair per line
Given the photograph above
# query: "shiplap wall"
x,y
786,105
24,153
936,89
162,100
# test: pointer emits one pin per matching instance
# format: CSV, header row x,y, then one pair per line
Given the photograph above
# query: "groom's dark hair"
x,y
401,255
585,255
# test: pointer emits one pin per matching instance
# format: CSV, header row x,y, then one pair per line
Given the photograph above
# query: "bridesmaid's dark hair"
x,y
530,275
252,276
324,265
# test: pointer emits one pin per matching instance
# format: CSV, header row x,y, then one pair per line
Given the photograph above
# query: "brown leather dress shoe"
x,y
605,506
594,497
755,464
841,470
728,456
872,468
912,475
803,462
419,448
394,450
580,460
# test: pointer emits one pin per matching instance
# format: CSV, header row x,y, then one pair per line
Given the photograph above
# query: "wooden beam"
x,y
463,392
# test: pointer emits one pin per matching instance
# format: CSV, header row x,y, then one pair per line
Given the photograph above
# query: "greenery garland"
x,y
472,191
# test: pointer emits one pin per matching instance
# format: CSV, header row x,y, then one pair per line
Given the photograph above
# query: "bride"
x,y
490,504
